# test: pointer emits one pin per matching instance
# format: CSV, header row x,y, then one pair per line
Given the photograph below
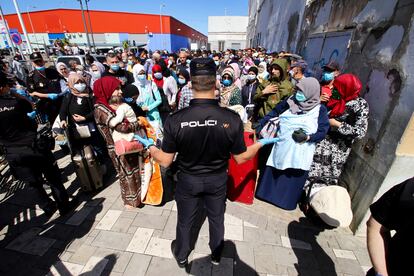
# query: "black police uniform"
x,y
46,82
27,162
204,135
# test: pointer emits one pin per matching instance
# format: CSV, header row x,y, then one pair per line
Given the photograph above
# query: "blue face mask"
x,y
300,97
265,75
141,78
188,61
130,62
181,81
217,62
226,82
114,67
327,76
128,100
41,68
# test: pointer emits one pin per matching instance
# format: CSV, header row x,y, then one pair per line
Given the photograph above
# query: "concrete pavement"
x,y
101,237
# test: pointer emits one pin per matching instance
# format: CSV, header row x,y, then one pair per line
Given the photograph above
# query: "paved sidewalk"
x,y
103,238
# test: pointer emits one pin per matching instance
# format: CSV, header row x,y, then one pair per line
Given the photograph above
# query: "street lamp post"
x,y
162,37
23,26
90,24
8,31
31,24
84,24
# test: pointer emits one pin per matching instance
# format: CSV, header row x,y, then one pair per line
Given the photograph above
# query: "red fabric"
x,y
103,89
241,181
155,69
349,86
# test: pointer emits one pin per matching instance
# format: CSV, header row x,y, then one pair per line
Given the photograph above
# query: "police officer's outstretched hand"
x,y
268,141
145,141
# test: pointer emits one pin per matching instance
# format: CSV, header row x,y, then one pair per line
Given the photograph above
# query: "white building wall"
x,y
229,29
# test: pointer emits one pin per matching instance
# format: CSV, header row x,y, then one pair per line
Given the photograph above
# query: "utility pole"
x,y
90,24
162,37
23,27
8,31
84,24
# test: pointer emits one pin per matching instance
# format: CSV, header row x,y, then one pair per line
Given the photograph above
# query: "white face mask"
x,y
251,77
158,75
80,87
96,74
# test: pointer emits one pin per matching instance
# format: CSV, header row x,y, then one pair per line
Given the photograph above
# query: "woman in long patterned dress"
x,y
127,166
348,118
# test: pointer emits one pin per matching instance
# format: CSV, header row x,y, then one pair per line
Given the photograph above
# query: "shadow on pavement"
x,y
309,260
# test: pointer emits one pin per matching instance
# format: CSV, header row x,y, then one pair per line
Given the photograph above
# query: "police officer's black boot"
x,y
181,263
216,254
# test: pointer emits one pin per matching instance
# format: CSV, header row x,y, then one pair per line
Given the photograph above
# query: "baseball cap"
x,y
300,63
332,66
35,56
202,67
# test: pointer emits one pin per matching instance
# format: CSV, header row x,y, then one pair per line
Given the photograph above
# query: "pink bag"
x,y
123,147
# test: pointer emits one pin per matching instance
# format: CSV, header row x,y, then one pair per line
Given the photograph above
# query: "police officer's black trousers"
x,y
192,194
28,164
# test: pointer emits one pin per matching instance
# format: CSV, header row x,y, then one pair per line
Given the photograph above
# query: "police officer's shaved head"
x,y
203,74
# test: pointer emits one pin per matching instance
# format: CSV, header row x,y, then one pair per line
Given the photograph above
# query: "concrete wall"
x,y
374,40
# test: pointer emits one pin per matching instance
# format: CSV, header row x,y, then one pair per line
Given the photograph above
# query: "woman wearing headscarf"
x,y
63,71
237,73
96,70
127,166
77,109
348,117
303,123
149,98
263,75
167,87
230,93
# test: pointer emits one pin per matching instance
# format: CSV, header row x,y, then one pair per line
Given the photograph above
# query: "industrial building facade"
x,y
109,29
227,32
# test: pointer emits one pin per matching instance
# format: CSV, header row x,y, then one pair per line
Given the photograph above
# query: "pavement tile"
x,y
248,224
293,243
344,254
122,225
159,247
284,256
348,266
128,214
108,220
140,240
224,268
112,240
166,213
93,233
232,220
132,229
245,253
117,260
151,210
233,232
201,265
348,242
201,246
65,269
78,217
362,257
170,227
162,266
138,265
150,221
265,263
83,254
65,256
38,246
308,272
95,266
24,239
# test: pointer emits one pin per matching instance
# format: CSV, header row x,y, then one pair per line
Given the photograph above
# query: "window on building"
x,y
236,46
221,45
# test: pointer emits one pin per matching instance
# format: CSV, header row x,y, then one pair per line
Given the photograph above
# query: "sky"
x,y
191,12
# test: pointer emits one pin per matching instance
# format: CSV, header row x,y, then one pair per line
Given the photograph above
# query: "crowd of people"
x,y
197,104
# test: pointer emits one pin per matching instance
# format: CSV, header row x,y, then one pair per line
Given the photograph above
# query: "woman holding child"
x,y
127,166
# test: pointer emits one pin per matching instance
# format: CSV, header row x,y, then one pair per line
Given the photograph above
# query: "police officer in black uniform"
x,y
44,84
27,160
204,135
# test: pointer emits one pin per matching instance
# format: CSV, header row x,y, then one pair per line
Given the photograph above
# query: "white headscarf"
x,y
135,71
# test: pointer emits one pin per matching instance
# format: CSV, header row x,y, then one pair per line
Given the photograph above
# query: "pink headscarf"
x,y
236,70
